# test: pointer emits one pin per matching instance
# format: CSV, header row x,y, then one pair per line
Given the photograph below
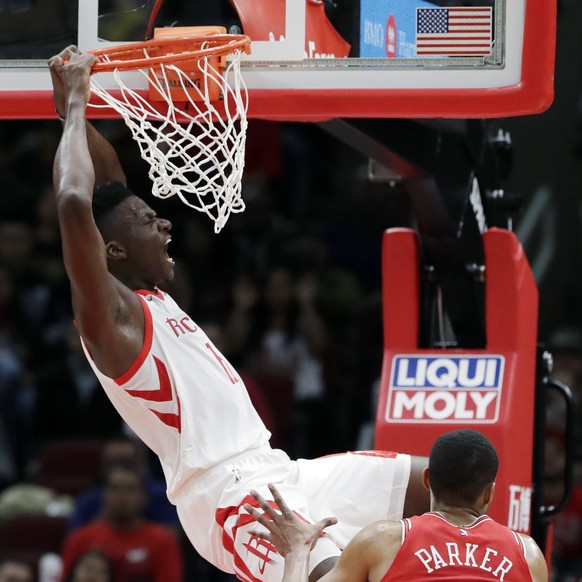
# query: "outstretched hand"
x,y
285,530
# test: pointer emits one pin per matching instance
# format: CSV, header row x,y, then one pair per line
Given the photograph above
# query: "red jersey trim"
x,y
146,292
519,542
146,347
161,394
479,520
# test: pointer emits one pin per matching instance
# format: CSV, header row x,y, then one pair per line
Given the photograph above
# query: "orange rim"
x,y
167,50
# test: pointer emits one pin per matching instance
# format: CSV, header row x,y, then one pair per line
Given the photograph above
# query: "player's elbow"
x,y
73,202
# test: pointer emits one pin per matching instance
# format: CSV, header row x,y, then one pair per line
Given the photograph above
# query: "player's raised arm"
x,y
99,300
104,157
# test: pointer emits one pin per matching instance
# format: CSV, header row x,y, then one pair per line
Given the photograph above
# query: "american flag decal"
x,y
462,31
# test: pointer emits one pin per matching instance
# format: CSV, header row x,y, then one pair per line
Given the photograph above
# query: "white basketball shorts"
x,y
358,488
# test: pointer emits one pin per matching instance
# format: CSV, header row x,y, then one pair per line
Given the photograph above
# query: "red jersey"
x,y
434,549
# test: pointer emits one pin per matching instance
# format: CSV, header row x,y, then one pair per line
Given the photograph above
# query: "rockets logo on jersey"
x,y
433,389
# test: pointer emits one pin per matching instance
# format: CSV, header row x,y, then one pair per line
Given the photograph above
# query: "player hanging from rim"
x,y
169,382
455,541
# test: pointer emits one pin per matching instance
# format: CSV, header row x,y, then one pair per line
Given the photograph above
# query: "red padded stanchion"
x,y
425,393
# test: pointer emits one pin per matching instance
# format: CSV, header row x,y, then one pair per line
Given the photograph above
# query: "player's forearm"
x,y
73,172
105,161
297,565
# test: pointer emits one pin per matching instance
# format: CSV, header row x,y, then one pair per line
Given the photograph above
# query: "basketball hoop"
x,y
191,128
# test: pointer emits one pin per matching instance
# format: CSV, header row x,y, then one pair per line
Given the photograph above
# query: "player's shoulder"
x,y
380,535
375,546
535,558
383,527
389,528
529,544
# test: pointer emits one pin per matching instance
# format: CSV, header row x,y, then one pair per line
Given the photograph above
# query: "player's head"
x,y
106,198
462,465
135,238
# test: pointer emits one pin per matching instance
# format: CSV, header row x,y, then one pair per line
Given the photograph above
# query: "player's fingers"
x,y
280,501
326,522
253,511
319,527
55,63
87,60
64,55
259,498
92,59
83,60
258,516
264,504
68,52
261,534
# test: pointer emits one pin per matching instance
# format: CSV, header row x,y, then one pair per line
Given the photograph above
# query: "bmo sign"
x,y
429,389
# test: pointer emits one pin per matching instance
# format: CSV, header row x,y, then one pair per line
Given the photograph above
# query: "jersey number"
x,y
225,365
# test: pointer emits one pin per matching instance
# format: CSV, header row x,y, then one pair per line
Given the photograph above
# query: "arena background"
x,y
310,209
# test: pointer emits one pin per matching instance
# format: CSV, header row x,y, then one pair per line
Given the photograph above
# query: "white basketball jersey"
x,y
182,397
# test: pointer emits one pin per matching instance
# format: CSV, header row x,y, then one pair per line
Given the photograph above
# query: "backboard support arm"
x,y
441,164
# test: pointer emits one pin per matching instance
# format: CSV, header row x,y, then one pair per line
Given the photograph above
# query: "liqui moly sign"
x,y
429,389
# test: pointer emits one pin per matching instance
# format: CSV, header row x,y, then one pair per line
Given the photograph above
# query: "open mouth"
x,y
167,256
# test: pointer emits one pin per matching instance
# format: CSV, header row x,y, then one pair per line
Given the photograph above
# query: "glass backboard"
x,y
314,59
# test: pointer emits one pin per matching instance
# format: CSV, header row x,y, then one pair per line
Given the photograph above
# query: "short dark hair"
x,y
106,197
461,464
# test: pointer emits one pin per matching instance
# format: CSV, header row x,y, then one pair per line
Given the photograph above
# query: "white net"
x,y
195,149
